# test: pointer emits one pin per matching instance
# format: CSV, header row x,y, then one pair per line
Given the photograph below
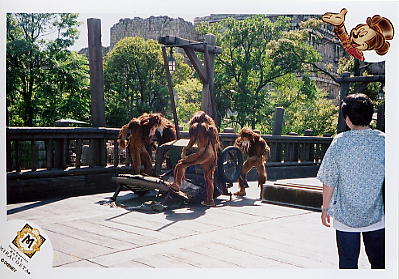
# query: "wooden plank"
x,y
86,234
162,261
236,257
49,154
76,247
283,253
17,156
137,234
83,263
33,150
129,264
187,255
60,258
180,42
78,151
199,68
116,153
113,232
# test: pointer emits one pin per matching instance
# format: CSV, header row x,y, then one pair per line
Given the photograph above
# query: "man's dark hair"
x,y
359,109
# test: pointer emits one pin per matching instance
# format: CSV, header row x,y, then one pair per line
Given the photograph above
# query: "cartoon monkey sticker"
x,y
370,36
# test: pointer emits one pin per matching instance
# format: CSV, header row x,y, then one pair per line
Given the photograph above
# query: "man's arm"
x,y
327,194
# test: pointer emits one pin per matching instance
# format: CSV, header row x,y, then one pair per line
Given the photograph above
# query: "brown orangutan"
x,y
166,135
141,129
258,152
204,134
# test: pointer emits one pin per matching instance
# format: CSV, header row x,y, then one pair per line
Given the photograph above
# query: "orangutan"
x,y
204,134
258,152
141,129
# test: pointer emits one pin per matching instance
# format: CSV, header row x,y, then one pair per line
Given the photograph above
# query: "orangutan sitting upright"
x,y
258,152
141,129
202,132
168,134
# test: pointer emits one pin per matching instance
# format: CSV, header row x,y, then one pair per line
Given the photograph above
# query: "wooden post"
x,y
96,87
171,91
342,94
206,72
208,103
96,72
278,121
381,118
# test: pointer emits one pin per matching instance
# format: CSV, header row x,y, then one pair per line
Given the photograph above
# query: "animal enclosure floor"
x,y
241,233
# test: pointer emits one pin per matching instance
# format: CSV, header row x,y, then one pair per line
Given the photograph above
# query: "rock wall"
x,y
152,28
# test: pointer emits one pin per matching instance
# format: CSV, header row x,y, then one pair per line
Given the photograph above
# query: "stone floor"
x,y
241,233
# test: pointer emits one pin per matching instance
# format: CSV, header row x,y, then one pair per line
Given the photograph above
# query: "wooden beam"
x,y
380,78
170,89
196,64
195,45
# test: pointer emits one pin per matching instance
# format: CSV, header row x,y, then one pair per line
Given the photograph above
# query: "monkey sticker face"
x,y
360,36
373,35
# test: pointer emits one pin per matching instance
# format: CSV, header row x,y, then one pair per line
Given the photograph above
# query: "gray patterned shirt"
x,y
354,165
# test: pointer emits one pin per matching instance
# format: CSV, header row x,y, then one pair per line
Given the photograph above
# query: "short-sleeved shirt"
x,y
354,165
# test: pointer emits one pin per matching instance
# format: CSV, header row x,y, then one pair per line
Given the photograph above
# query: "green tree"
x,y
45,81
188,100
256,52
135,80
356,67
306,106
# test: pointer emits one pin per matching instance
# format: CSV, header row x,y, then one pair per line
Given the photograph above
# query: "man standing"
x,y
352,173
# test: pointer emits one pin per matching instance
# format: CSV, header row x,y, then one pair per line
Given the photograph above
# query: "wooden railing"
x,y
39,148
290,150
60,148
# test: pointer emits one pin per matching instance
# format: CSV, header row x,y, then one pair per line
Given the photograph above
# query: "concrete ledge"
x,y
286,172
292,194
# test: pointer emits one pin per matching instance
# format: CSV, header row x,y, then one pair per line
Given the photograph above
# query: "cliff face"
x,y
152,28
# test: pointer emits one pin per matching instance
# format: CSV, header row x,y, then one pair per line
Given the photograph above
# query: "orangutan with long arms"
x,y
204,134
141,129
258,152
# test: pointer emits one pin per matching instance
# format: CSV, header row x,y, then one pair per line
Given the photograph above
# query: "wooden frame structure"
x,y
344,81
205,71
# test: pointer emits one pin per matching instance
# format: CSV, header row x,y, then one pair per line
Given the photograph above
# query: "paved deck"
x,y
242,233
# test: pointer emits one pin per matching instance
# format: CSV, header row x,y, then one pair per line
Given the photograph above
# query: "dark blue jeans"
x,y
348,244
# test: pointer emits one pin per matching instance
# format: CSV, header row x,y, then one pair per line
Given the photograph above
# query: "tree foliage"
x,y
135,80
306,106
355,67
45,81
257,55
188,100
